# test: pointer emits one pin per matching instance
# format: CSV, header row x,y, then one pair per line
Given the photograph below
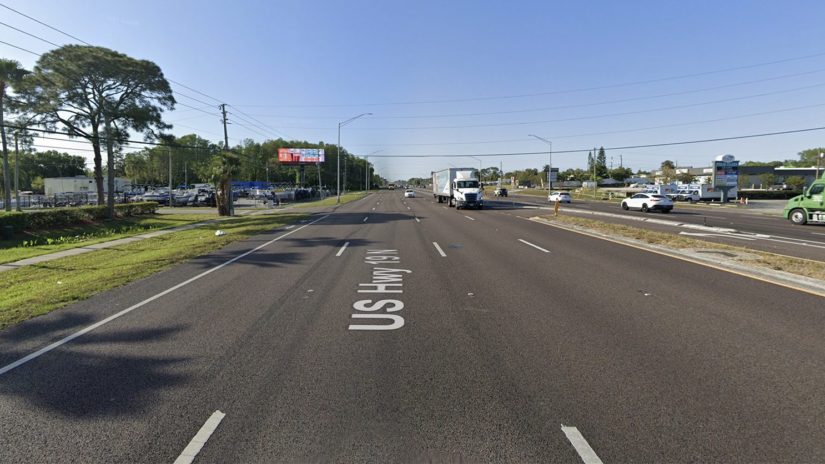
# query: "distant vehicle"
x,y
685,195
409,193
562,197
648,202
459,187
808,207
391,187
501,192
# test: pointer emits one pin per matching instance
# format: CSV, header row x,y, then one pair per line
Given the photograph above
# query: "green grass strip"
x,y
28,244
39,289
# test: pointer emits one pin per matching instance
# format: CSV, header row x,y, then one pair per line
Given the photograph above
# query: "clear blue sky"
x,y
426,69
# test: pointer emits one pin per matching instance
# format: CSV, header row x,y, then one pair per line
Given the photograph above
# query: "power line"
x,y
582,118
28,34
19,48
587,150
556,92
118,140
197,109
261,123
561,107
255,125
44,24
195,99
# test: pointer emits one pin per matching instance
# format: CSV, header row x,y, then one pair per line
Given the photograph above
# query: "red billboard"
x,y
300,155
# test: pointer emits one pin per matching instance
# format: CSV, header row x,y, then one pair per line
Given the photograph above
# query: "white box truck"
x,y
458,187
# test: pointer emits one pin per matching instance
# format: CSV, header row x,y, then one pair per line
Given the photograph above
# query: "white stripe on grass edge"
x,y
582,447
194,447
440,251
88,329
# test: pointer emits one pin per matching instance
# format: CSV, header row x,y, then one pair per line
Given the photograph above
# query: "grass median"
x,y
38,289
333,200
28,244
790,264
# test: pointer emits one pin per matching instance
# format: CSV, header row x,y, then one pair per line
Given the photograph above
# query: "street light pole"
x,y
479,167
818,160
550,160
338,164
367,170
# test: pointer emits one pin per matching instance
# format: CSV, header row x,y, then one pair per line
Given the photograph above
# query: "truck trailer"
x,y
458,187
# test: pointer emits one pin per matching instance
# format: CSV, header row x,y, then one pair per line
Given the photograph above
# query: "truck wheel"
x,y
625,207
798,216
645,208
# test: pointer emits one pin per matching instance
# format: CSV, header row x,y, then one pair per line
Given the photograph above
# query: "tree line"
x,y
105,97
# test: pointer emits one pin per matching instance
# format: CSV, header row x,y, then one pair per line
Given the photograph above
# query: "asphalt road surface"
x,y
743,228
399,330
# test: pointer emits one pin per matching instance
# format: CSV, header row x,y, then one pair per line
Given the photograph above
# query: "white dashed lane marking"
x,y
194,447
440,251
582,447
341,251
534,246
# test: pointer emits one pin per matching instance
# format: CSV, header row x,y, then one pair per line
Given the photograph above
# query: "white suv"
x,y
562,197
647,201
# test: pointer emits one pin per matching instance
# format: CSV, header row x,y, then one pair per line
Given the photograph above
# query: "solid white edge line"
x,y
194,447
71,337
582,447
470,218
440,251
341,251
534,246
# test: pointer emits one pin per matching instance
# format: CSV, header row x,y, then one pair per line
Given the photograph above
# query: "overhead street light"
x,y
550,161
338,164
479,167
367,170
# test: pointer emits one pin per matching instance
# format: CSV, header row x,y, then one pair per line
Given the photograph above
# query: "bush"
x,y
768,194
61,217
14,219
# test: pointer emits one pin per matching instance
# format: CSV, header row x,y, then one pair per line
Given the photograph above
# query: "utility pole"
x,y
594,173
231,208
185,174
621,163
318,168
17,173
549,161
366,174
169,150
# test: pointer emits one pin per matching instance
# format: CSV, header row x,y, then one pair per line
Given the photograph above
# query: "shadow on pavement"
x,y
90,376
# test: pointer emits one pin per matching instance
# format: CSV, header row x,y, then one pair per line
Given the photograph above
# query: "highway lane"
x,y
747,229
652,359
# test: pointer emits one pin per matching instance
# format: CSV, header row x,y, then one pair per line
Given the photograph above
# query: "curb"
x,y
782,278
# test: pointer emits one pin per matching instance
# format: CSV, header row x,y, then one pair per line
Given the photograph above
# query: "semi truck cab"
x,y
808,207
467,194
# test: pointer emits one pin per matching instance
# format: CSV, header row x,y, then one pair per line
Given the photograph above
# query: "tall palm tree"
x,y
10,74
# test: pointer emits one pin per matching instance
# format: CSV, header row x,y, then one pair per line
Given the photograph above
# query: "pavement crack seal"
x,y
702,257
385,280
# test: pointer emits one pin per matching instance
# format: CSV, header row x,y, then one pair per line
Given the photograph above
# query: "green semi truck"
x,y
808,208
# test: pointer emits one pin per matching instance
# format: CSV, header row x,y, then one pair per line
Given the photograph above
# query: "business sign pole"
x,y
725,175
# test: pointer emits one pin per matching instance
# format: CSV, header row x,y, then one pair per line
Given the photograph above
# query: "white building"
x,y
79,184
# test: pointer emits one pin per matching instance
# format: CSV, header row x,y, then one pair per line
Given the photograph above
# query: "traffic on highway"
x,y
443,333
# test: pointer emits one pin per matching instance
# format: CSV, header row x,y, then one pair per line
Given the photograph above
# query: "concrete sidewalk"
x,y
98,246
